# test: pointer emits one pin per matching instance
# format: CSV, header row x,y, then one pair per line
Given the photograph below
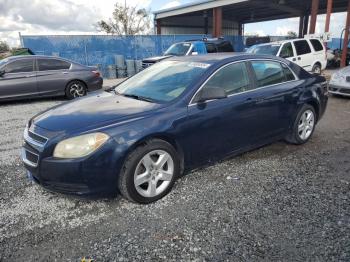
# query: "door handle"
x,y
30,75
299,58
64,73
294,59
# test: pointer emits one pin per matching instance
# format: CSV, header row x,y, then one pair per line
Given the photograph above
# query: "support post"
x,y
306,23
314,11
346,38
301,26
206,23
217,22
328,16
240,29
159,27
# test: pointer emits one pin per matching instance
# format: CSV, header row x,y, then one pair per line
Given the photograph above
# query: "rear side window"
x,y
268,73
20,66
302,47
210,48
225,47
52,64
233,78
287,50
316,45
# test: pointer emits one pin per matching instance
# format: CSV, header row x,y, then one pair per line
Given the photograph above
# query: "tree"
x,y
292,34
4,47
126,20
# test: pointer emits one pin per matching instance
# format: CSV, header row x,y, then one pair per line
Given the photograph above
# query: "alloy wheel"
x,y
153,173
306,124
77,90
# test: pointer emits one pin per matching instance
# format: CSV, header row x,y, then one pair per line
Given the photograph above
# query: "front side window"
x,y
162,82
287,51
179,49
316,45
232,78
302,47
20,66
52,64
268,73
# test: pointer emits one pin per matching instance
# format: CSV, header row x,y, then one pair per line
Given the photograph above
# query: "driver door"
x,y
218,127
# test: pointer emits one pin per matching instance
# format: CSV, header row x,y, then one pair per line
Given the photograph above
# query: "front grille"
x,y
37,137
33,144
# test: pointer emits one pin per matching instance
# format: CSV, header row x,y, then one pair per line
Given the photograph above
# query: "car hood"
x,y
155,59
93,111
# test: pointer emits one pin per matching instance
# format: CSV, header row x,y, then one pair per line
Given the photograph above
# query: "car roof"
x,y
219,57
286,41
35,56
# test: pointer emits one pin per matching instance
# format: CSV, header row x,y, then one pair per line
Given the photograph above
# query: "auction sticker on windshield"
x,y
200,65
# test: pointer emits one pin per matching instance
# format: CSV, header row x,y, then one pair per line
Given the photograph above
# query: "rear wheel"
x,y
75,89
303,127
316,69
149,172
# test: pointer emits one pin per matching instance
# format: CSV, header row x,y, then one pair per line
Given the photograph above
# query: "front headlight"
x,y
80,146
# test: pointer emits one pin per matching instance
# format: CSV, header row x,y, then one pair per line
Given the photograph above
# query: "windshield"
x,y
163,81
179,49
264,49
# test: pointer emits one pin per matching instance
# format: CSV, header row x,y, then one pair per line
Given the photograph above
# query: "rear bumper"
x,y
95,84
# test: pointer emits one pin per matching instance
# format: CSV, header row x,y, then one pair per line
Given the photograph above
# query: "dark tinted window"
x,y
52,64
24,65
268,73
287,50
233,78
210,48
302,47
316,44
288,73
225,47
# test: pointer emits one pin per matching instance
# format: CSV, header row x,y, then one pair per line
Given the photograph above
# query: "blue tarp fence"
x,y
101,49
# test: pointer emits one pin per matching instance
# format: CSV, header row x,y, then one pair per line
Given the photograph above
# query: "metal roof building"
x,y
227,17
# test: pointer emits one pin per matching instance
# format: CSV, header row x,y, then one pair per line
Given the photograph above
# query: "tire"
x,y
140,177
316,69
303,128
75,89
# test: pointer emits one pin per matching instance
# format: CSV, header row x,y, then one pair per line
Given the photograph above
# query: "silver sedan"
x,y
340,82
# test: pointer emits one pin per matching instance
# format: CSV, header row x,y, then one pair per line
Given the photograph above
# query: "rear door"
x,y
319,51
305,58
275,99
52,75
19,79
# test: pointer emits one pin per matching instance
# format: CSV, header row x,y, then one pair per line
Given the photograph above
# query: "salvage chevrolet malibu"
x,y
179,114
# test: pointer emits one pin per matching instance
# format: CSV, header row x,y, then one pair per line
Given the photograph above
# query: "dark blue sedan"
x,y
177,115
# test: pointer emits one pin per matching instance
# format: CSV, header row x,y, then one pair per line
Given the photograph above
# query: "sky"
x,y
32,17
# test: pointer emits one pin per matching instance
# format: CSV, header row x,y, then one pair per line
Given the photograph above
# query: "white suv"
x,y
310,54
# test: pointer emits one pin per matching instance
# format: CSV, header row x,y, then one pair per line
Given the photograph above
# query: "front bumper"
x,y
93,175
339,90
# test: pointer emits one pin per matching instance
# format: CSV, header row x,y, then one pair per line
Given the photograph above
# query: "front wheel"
x,y
303,127
149,172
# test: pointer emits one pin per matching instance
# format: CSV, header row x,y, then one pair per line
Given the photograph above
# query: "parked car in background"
x,y
340,82
309,54
176,115
193,47
43,76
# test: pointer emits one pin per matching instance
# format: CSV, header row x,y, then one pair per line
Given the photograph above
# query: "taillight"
x,y
96,73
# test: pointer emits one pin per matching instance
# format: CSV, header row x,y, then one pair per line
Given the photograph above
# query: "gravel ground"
x,y
278,203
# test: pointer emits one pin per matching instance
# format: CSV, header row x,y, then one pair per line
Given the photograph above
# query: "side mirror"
x,y
211,93
194,53
2,72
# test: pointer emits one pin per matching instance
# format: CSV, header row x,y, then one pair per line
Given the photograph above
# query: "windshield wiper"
x,y
147,99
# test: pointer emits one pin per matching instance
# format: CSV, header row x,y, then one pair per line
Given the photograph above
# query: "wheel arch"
x,y
316,107
165,137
